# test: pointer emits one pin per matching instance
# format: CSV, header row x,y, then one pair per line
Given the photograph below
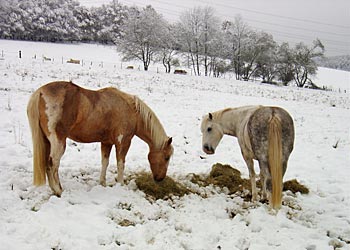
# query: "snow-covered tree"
x,y
168,48
40,20
284,64
86,23
141,35
190,28
109,20
211,31
237,35
304,65
199,28
266,65
255,51
60,20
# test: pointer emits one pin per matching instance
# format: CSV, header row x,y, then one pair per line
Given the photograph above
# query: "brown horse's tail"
x,y
275,160
40,145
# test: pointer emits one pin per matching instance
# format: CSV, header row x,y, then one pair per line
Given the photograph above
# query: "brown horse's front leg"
x,y
122,148
105,153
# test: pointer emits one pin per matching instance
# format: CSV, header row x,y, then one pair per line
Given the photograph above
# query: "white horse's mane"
x,y
218,114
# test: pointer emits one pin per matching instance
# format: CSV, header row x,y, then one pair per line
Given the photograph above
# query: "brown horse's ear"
x,y
170,140
210,116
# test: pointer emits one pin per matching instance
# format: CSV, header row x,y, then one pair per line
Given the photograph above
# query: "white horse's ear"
x,y
210,116
170,140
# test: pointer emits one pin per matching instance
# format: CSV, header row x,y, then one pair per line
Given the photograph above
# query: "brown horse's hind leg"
x,y
121,150
105,152
250,165
56,152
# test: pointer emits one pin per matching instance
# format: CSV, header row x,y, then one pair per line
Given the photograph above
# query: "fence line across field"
x,y
83,62
118,64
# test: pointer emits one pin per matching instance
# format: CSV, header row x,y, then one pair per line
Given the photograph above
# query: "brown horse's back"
x,y
85,115
258,127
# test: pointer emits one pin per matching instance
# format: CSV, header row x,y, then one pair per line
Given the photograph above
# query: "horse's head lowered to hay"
x,y
61,110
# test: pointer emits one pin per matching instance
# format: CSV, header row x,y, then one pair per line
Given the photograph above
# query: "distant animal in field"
x,y
180,72
265,134
61,110
74,61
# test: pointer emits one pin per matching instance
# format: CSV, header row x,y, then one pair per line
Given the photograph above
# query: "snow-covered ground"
x,y
87,216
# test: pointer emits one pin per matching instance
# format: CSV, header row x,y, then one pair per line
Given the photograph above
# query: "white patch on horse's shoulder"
x,y
120,138
53,110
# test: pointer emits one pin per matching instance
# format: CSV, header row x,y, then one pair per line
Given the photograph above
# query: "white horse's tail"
x,y
40,146
275,160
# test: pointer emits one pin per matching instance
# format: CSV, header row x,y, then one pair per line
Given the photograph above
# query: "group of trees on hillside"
x,y
211,47
198,40
60,20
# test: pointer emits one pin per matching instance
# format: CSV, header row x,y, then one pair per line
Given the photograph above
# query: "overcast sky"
x,y
287,20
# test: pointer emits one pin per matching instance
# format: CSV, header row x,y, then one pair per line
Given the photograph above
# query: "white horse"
x,y
265,134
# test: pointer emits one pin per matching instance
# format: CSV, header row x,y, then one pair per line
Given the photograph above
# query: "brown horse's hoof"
x,y
58,193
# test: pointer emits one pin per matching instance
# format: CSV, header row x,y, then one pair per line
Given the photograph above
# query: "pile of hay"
x,y
160,190
223,176
294,186
229,177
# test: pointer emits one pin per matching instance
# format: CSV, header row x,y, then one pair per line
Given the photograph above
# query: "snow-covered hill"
x,y
87,215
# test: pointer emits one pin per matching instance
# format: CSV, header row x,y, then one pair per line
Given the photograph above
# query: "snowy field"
x,y
87,216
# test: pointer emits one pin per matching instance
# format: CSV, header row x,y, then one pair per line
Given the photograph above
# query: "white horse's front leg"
x,y
250,165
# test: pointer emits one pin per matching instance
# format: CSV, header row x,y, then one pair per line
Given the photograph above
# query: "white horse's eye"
x,y
209,129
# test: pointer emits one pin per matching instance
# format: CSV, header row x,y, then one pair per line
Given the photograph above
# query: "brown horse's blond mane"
x,y
151,122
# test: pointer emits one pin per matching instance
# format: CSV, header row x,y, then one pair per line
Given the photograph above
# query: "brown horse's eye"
x,y
209,129
167,158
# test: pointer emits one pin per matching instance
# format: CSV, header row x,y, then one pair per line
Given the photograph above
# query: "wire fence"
x,y
91,63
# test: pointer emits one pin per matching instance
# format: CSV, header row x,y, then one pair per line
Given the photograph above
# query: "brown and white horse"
x,y
265,134
61,110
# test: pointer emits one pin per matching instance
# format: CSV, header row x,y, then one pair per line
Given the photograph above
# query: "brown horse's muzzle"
x,y
158,179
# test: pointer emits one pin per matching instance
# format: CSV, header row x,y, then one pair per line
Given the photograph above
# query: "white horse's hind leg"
x,y
105,152
264,176
56,152
250,165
